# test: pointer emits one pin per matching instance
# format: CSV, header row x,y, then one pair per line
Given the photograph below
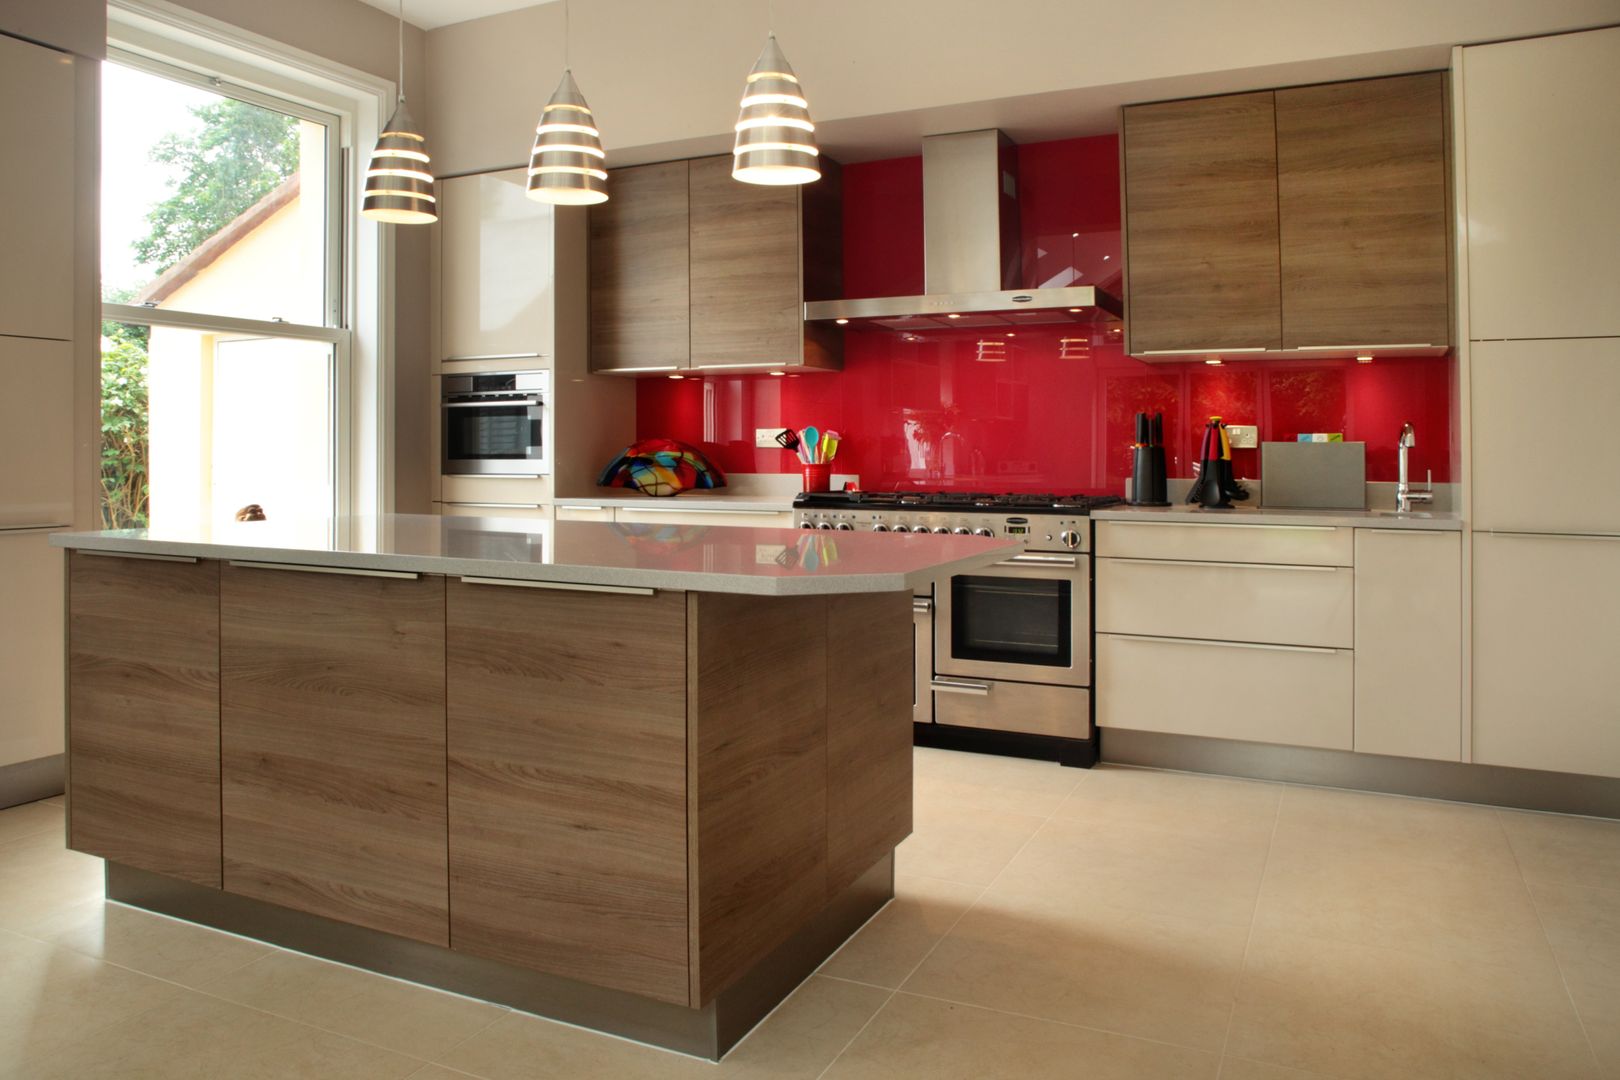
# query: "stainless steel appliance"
x,y
495,424
1005,650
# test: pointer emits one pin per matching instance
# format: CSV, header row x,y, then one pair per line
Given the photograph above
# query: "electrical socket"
x,y
1243,436
765,437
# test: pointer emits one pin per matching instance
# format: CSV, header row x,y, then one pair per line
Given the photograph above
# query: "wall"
x,y
937,410
666,74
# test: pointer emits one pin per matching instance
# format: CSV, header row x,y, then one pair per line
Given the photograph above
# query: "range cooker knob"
x,y
902,528
983,532
880,527
807,524
961,530
942,529
844,526
824,525
1069,538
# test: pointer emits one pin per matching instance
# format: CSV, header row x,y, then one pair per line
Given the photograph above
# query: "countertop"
x,y
1359,519
699,558
704,500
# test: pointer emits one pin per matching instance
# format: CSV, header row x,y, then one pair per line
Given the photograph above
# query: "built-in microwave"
x,y
495,424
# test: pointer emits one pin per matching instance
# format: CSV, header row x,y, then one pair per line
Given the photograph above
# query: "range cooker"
x,y
1003,655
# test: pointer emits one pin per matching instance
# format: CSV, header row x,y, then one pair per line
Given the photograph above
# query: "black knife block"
x,y
1148,483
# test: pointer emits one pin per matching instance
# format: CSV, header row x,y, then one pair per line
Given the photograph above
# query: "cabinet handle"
x,y
572,506
1523,535
1217,525
133,555
563,586
922,605
1237,565
779,364
498,506
1351,348
654,367
1225,644
1045,560
1199,352
951,686
344,571
699,510
493,356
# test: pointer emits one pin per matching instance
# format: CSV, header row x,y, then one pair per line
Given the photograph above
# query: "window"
x,y
224,344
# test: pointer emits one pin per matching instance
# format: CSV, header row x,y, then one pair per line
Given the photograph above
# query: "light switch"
x,y
1243,436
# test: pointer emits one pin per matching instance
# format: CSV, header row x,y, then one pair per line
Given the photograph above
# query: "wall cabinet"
x,y
1541,138
690,268
38,121
333,746
1311,220
497,289
1544,447
143,714
1409,643
30,646
36,432
640,272
1544,671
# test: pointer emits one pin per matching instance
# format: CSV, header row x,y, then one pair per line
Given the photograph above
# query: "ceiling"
x,y
432,14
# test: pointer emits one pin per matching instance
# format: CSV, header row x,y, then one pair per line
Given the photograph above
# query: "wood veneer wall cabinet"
x,y
38,121
640,296
1201,225
757,253
143,714
333,746
1304,219
568,796
1362,187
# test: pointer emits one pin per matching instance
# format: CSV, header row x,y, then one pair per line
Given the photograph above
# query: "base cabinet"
x,y
332,746
143,714
1546,681
1409,643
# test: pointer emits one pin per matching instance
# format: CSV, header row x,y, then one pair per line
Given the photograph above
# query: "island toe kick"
x,y
652,813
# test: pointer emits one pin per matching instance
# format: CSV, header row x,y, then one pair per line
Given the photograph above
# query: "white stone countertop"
x,y
698,558
1440,520
707,499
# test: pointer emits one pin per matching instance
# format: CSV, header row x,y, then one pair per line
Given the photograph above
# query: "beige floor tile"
x,y
1006,784
52,998
1571,850
439,1072
1239,1069
170,949
402,1016
1142,867
919,1038
30,819
1599,1010
1583,925
1397,901
1447,835
894,942
1066,958
1179,801
39,876
798,1040
965,844
57,800
204,1038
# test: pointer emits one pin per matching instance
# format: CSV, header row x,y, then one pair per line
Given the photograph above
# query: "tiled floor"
x,y
1108,924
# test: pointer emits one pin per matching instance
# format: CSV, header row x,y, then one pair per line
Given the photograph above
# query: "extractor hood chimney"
x,y
971,252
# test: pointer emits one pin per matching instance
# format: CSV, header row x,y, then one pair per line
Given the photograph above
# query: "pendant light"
x,y
567,166
776,142
399,184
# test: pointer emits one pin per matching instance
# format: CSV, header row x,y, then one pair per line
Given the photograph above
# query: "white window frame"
x,y
163,37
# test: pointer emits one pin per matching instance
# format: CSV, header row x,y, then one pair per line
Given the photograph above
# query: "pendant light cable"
x,y
402,52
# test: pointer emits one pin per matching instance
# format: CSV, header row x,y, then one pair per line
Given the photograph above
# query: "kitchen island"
x,y
639,778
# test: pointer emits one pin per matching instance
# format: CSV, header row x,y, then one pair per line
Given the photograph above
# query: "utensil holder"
x,y
817,477
1148,482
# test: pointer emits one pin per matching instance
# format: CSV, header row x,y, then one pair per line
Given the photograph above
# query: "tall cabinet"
x,y
1539,135
47,102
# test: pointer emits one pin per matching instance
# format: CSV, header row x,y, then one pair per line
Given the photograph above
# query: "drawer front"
x,y
1274,604
1287,695
584,513
761,519
1064,711
495,510
1228,541
530,490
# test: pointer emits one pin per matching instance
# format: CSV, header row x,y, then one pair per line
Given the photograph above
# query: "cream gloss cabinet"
x,y
38,103
496,273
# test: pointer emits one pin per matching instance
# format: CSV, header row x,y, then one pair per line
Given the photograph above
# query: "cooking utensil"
x,y
811,437
787,439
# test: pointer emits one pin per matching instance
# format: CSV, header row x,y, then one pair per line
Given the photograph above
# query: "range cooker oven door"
x,y
1025,620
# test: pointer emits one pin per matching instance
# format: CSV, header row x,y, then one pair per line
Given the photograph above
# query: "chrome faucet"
x,y
1405,496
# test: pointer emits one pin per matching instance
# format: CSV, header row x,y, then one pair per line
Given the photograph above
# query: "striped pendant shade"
x,y
399,184
776,142
568,166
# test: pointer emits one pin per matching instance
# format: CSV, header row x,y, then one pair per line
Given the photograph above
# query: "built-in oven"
x,y
495,424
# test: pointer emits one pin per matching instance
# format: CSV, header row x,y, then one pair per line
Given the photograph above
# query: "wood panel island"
x,y
640,778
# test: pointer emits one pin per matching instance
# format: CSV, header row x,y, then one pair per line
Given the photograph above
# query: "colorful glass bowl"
x,y
661,467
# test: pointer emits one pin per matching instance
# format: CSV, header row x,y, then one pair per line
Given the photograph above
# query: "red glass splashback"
x,y
1051,408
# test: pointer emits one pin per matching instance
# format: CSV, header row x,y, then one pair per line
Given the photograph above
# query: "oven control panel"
x,y
1037,532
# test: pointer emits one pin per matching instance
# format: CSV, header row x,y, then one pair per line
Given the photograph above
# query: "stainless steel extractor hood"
x,y
971,251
